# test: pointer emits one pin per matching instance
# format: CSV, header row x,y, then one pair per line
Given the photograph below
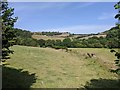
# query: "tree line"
x,y
47,33
24,37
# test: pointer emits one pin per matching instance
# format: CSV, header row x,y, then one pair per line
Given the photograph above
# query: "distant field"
x,y
54,37
57,68
93,36
47,37
63,36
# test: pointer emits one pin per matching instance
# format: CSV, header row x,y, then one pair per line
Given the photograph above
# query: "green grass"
x,y
102,55
57,68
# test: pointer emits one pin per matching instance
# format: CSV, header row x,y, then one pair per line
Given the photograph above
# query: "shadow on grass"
x,y
16,78
104,84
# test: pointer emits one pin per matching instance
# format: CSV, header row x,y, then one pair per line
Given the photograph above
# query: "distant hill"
x,y
63,35
113,29
50,35
105,39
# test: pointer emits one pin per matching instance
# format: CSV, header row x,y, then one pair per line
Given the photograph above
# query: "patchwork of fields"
x,y
60,69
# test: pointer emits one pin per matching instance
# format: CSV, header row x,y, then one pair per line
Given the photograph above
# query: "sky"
x,y
73,17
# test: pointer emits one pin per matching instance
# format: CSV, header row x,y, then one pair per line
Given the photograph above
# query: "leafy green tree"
x,y
103,41
117,53
58,43
49,43
67,42
41,42
22,33
30,42
8,33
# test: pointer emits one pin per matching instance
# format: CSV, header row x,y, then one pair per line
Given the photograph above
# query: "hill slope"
x,y
57,68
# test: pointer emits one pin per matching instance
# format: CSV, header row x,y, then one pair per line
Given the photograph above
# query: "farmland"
x,y
63,36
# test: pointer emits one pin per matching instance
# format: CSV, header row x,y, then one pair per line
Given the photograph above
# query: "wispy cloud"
x,y
105,16
38,5
48,5
81,29
85,4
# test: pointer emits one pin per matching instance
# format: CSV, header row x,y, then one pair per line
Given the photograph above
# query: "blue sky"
x,y
74,17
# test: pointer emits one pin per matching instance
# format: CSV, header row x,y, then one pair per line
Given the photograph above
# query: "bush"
x,y
59,47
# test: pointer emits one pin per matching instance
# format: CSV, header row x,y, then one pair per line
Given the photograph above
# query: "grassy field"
x,y
47,37
54,37
50,68
93,36
63,36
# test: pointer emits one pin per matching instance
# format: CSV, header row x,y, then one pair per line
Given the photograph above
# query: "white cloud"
x,y
105,16
82,29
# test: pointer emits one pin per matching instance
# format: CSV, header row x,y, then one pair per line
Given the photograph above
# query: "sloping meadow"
x,y
61,69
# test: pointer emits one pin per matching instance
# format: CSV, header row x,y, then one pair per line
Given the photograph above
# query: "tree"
x,y
49,43
8,33
67,42
117,53
41,42
58,43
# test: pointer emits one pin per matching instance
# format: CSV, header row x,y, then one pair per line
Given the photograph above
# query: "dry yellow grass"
x,y
48,37
93,36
